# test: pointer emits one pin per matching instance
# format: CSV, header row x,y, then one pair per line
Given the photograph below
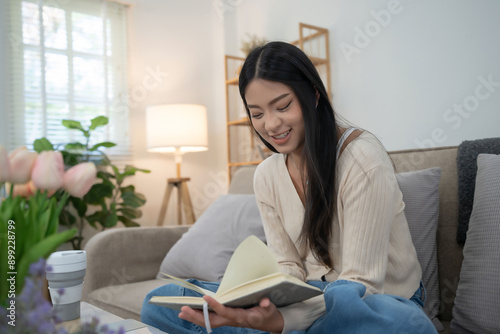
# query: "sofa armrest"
x,y
127,255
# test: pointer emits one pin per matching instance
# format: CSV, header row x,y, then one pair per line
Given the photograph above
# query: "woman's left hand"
x,y
265,317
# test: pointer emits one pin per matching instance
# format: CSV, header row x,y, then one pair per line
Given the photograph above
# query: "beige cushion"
x,y
124,300
242,181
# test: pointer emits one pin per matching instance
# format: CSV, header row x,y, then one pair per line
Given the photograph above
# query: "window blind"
x,y
67,60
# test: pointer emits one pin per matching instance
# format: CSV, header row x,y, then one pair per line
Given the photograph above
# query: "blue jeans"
x,y
167,319
346,312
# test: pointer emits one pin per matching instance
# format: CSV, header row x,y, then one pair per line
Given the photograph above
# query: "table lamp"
x,y
177,129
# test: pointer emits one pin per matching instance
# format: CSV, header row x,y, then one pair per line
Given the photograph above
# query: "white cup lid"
x,y
67,261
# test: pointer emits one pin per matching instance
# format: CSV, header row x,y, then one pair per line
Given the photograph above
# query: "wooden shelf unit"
x,y
312,36
314,41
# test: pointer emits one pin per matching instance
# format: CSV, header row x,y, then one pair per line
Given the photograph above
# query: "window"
x,y
67,60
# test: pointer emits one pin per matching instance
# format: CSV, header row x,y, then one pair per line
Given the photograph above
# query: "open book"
x,y
252,274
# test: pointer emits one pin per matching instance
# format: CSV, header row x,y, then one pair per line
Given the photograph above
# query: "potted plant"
x,y
29,215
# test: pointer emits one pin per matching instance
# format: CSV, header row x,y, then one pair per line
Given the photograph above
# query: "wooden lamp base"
x,y
183,201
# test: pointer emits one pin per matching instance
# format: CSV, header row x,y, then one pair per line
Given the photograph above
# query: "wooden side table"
x,y
183,201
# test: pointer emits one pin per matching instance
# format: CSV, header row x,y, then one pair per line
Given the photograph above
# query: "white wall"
x,y
184,41
401,69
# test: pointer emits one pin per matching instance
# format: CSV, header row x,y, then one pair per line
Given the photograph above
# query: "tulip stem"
x,y
80,233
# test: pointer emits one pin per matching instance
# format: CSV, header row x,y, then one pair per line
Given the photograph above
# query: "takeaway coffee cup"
x,y
65,272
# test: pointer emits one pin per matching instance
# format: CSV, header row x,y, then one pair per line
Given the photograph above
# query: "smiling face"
x,y
276,115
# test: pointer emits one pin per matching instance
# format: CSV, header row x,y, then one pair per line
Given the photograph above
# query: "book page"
x,y
177,302
251,260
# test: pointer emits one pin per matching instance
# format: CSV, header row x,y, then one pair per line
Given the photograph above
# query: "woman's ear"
x,y
317,96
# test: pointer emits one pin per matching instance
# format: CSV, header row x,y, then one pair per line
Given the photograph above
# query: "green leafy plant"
x,y
28,232
109,201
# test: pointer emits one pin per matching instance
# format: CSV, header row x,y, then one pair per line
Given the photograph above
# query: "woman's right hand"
x,y
265,317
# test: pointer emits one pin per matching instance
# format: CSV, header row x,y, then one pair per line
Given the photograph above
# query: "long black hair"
x,y
287,64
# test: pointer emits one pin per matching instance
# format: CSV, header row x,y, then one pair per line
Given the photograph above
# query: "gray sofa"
x,y
123,263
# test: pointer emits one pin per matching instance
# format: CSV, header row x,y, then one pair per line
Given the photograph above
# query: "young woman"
x,y
332,213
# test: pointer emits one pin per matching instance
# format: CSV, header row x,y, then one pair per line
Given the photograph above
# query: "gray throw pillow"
x,y
477,304
421,196
203,252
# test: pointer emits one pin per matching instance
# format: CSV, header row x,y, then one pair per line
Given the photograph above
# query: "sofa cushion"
x,y
477,304
421,197
204,251
123,300
467,167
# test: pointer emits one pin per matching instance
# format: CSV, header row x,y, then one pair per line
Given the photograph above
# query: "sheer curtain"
x,y
66,59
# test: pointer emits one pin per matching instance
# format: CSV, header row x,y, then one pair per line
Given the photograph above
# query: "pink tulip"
x,y
4,165
21,163
79,179
24,190
48,171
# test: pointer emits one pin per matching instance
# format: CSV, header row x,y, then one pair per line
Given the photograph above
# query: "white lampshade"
x,y
176,128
